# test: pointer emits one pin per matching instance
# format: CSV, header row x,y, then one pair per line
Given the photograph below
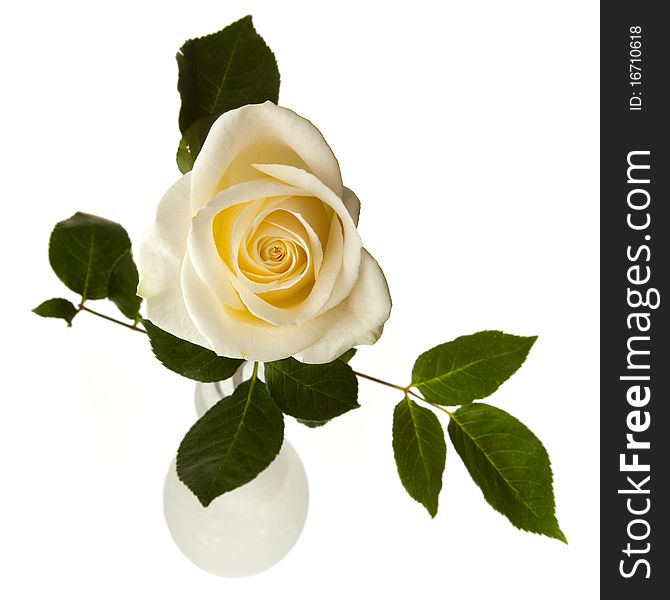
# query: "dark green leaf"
x,y
192,141
348,355
122,286
420,452
187,359
312,424
233,442
225,70
58,308
469,368
82,251
509,464
312,392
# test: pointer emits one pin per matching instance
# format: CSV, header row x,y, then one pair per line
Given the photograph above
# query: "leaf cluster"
x,y
92,256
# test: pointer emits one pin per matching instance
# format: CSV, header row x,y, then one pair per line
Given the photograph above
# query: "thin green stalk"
x,y
382,382
134,327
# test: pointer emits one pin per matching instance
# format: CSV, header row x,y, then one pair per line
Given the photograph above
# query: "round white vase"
x,y
245,531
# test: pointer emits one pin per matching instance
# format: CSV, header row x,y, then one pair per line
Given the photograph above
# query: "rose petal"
x,y
201,244
320,294
339,268
315,212
231,333
358,320
352,203
159,257
269,134
294,228
351,252
238,334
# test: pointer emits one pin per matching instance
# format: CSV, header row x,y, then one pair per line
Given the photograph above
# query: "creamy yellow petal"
x,y
259,133
358,320
202,245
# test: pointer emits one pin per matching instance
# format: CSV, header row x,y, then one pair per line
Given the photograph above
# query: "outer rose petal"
x,y
358,320
352,203
280,136
159,257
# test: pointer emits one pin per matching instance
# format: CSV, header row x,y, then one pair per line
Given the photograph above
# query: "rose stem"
x,y
112,319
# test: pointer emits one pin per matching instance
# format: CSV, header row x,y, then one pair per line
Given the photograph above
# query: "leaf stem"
x,y
406,390
417,396
438,406
134,327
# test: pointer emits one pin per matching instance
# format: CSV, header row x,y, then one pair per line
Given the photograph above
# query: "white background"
x,y
469,131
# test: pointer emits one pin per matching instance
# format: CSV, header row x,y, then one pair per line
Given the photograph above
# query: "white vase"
x,y
250,529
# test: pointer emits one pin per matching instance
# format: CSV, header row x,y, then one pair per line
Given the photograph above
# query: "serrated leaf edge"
x,y
561,535
453,371
412,406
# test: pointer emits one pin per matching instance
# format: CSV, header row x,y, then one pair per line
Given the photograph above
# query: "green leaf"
x,y
82,251
470,367
57,308
233,442
187,359
348,355
122,286
509,464
225,70
312,392
312,424
192,141
420,452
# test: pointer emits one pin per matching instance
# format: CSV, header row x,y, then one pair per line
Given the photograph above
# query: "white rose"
x,y
255,253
